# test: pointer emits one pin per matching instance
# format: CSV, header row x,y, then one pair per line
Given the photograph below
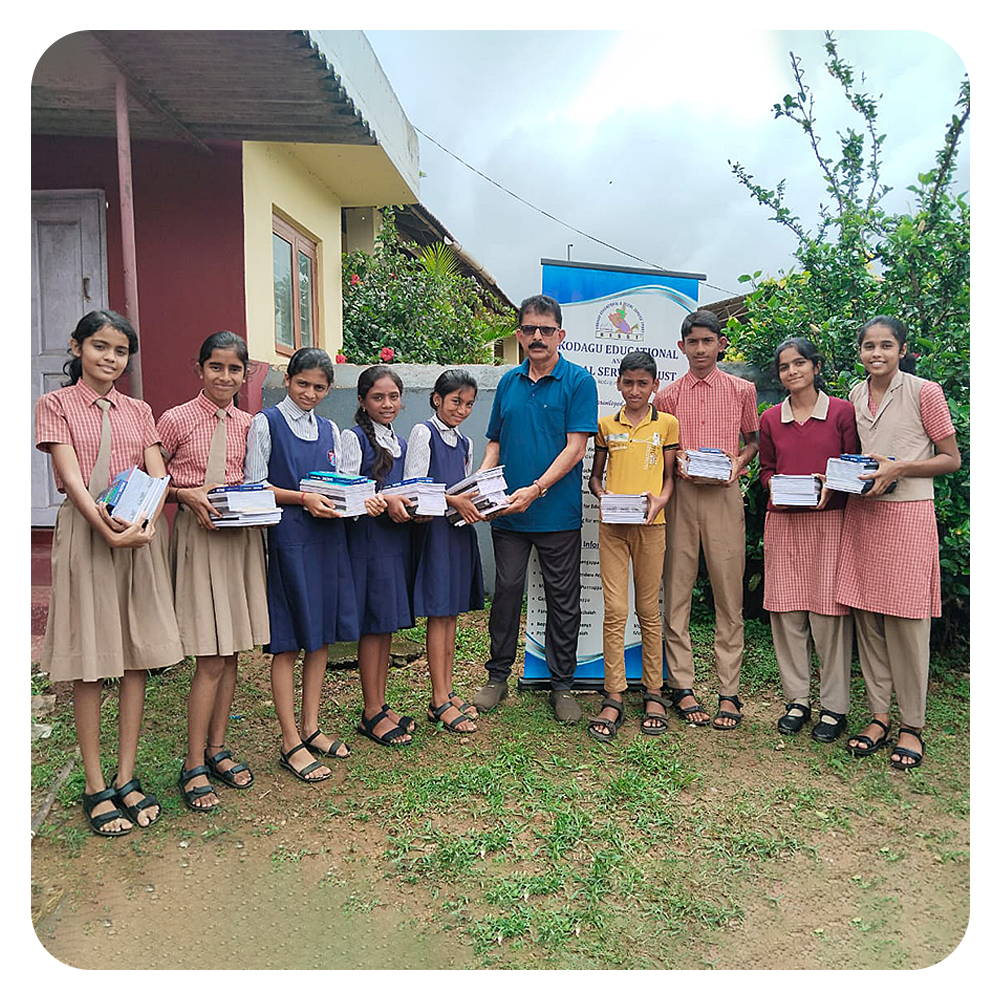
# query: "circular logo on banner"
x,y
620,321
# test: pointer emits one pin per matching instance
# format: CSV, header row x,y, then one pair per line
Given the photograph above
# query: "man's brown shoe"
x,y
490,695
565,707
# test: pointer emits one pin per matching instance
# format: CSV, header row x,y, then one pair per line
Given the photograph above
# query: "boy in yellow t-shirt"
x,y
638,445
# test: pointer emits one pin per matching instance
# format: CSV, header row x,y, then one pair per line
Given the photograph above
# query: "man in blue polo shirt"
x,y
543,412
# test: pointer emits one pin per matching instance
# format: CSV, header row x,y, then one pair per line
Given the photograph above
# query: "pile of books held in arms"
x,y
624,508
492,493
250,505
347,493
795,491
709,463
133,495
425,493
842,473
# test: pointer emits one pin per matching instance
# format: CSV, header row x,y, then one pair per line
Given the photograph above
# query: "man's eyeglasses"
x,y
528,329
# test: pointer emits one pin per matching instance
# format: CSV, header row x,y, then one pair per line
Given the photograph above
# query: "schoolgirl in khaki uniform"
x,y
111,611
219,576
888,566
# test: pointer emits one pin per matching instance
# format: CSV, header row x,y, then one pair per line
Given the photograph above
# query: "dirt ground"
x,y
810,863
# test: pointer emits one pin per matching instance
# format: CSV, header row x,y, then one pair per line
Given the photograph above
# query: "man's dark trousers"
x,y
559,559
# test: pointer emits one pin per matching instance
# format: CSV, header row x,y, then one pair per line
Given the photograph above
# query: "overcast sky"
x,y
626,136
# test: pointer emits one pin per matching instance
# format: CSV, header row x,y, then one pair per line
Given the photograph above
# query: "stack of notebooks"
x,y
624,508
243,506
492,497
709,463
795,491
348,493
842,474
133,495
425,493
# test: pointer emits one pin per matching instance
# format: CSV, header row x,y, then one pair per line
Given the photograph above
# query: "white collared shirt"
x,y
350,456
418,448
302,424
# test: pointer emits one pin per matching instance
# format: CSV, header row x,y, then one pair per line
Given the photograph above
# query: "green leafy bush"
x,y
419,307
862,261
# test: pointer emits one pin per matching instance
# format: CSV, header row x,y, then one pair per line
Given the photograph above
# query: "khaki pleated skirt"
x,y
220,587
110,610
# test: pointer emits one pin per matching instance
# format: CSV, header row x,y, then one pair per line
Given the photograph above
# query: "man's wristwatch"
x,y
541,492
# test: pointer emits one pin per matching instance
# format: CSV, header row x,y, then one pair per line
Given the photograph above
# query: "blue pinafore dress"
x,y
449,573
310,593
381,557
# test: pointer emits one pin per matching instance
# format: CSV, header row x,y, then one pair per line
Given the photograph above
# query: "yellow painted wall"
x,y
275,180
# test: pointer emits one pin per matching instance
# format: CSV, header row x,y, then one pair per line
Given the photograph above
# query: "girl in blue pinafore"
x,y
310,593
449,575
380,550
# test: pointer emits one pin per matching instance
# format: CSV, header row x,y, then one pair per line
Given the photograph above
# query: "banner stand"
x,y
607,312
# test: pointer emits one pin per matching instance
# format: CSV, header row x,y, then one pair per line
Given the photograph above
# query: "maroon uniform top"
x,y
792,449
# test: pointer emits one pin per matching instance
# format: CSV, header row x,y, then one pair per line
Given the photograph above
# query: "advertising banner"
x,y
607,312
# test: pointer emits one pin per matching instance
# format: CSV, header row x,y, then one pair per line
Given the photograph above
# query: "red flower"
x,y
387,354
355,280
340,359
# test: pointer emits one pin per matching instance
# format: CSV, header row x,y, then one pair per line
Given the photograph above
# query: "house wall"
x,y
274,179
189,245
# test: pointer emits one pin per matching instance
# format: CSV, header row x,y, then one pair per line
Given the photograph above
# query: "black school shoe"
x,y
827,731
789,723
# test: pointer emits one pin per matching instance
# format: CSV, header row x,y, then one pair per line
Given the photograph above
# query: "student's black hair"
x,y
450,380
808,350
701,317
637,361
544,304
96,320
306,358
383,457
224,340
907,363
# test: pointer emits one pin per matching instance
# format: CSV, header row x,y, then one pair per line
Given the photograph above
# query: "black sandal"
x,y
303,774
435,713
367,728
146,802
405,721
788,723
613,725
334,747
870,745
464,707
737,715
828,732
226,777
190,794
96,822
661,720
685,713
917,755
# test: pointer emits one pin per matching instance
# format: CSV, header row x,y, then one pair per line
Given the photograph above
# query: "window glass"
x,y
306,299
284,328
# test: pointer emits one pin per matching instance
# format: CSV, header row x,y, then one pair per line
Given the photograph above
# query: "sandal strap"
x,y
439,710
734,699
217,758
806,709
647,698
869,743
728,715
130,786
618,706
89,801
879,722
913,732
678,693
195,771
371,723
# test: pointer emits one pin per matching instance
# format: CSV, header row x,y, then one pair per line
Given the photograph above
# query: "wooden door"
x,y
69,277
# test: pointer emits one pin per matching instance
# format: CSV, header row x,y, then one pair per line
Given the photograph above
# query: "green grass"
x,y
536,847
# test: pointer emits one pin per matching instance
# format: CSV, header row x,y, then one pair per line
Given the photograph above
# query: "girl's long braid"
x,y
383,457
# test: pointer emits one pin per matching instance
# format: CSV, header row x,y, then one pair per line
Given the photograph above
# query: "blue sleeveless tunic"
x,y
381,557
310,593
449,574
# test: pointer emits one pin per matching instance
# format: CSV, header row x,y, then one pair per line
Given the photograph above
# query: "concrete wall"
x,y
418,380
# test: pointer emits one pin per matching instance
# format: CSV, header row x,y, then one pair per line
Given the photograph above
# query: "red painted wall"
x,y
189,246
